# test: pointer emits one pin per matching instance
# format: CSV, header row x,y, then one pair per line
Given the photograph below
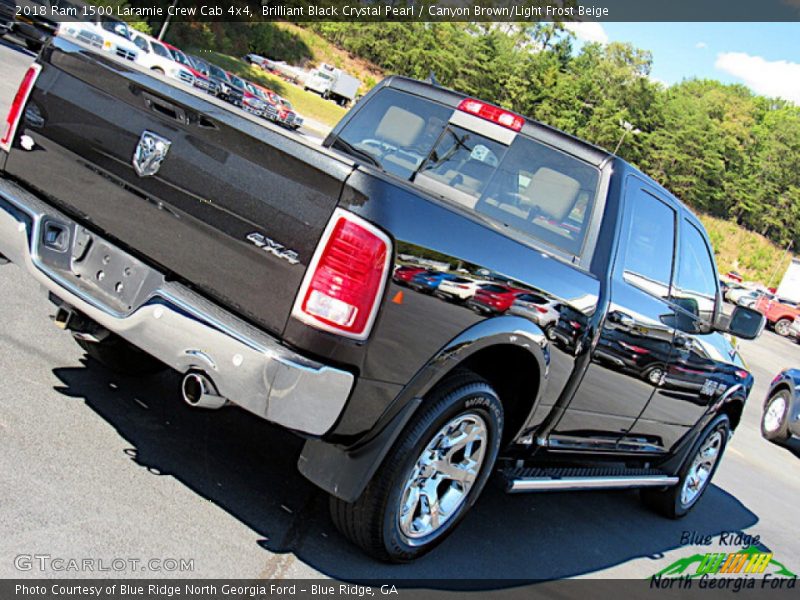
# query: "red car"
x,y
494,298
405,274
734,276
780,313
200,80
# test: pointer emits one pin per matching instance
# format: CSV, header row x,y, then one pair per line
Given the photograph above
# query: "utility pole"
x,y
165,24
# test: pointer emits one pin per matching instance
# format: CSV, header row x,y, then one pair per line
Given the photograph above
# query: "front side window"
x,y
141,43
650,243
695,289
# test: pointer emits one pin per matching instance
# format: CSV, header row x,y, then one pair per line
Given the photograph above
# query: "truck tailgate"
x,y
226,177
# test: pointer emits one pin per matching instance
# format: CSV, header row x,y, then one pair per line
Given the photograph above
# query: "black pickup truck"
x,y
173,230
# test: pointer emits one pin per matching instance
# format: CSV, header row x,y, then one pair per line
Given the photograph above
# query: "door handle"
x,y
162,107
621,318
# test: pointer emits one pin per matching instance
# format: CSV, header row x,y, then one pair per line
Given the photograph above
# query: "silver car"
x,y
538,309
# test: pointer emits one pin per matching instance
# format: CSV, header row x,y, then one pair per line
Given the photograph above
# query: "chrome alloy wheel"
x,y
782,327
773,416
702,466
443,476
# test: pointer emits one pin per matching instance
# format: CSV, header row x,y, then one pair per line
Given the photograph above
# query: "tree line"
x,y
721,148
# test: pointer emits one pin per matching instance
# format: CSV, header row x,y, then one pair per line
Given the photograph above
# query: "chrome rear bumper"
x,y
179,327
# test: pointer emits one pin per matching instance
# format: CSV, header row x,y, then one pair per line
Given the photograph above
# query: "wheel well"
x,y
733,409
514,374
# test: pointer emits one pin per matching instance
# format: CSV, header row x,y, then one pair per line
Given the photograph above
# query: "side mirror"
x,y
745,323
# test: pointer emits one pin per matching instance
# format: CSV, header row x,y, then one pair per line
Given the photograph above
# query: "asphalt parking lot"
x,y
98,466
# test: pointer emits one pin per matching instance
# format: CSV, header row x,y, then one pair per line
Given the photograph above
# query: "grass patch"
x,y
751,254
308,104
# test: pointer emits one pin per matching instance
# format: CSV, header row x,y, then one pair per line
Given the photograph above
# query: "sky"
x,y
763,56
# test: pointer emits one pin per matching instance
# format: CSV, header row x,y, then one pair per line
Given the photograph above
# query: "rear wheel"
x,y
654,375
120,356
431,476
782,327
695,476
775,420
33,45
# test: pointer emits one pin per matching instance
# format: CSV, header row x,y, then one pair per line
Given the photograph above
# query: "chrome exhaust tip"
x,y
199,391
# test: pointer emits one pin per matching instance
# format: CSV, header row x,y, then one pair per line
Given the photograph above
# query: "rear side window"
x,y
528,187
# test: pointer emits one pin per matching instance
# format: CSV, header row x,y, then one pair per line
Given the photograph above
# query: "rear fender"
x,y
345,471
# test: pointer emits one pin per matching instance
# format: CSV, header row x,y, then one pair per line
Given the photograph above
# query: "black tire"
x,y
781,434
33,45
668,502
121,357
781,327
372,521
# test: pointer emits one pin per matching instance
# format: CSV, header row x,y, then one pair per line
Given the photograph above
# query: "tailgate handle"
x,y
165,108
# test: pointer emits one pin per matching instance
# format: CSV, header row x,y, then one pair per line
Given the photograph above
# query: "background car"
x,y
748,299
154,55
254,59
287,115
8,11
201,80
403,275
37,25
734,276
225,88
536,308
428,281
794,329
780,312
460,289
110,35
781,417
494,298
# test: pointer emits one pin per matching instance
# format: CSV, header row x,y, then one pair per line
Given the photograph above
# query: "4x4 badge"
x,y
150,153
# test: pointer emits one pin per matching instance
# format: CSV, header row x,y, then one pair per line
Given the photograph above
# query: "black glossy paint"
x,y
587,393
226,176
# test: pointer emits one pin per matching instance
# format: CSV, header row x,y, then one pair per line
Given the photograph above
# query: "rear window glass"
x,y
533,298
494,288
535,190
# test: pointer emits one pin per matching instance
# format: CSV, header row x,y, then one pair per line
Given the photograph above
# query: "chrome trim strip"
x,y
186,331
542,484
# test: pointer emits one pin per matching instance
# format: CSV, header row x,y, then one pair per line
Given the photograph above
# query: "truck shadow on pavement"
x,y
247,468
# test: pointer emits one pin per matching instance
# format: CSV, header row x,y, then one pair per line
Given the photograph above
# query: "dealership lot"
x,y
103,467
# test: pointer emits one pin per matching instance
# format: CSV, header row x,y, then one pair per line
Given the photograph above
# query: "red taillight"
x,y
14,114
346,277
541,310
575,324
491,113
742,374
